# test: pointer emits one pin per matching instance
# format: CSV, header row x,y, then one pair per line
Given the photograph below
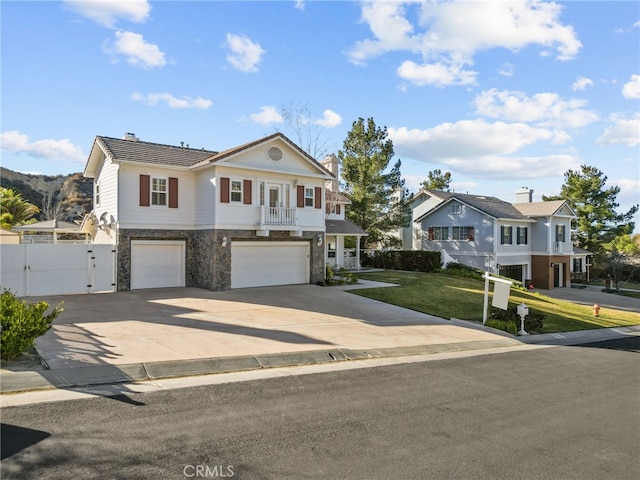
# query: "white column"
x,y
358,252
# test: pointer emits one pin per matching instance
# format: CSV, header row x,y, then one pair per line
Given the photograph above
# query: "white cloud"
x,y
542,109
299,5
449,34
267,116
437,74
631,89
582,83
173,102
329,119
506,70
482,149
106,12
137,51
16,142
623,131
244,55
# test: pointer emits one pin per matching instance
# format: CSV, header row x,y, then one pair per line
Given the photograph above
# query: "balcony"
x,y
564,248
277,216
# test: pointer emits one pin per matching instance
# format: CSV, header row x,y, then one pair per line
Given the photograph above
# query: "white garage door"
x,y
157,264
256,264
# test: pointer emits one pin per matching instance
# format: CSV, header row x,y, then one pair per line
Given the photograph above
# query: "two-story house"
x,y
252,215
527,241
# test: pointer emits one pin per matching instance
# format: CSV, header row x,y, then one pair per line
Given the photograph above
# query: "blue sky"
x,y
502,94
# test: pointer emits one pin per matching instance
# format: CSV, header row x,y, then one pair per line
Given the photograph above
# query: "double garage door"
x,y
256,264
158,264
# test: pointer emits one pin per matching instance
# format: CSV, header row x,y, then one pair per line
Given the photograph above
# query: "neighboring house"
x,y
7,237
252,215
51,231
337,227
527,241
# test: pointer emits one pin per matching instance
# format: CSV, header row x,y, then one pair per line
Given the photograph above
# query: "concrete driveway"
x,y
188,323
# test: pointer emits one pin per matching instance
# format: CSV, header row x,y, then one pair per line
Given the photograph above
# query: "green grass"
x,y
449,296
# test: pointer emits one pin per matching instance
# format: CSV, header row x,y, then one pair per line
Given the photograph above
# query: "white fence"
x,y
47,269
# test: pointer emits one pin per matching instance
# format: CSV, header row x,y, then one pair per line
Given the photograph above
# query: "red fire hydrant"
x,y
596,310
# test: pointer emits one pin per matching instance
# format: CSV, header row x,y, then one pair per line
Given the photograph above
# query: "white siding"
x,y
132,215
107,177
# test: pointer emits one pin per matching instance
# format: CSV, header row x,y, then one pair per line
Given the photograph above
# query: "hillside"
x,y
65,197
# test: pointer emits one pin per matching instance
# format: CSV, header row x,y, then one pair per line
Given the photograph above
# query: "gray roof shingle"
x,y
152,153
490,205
343,227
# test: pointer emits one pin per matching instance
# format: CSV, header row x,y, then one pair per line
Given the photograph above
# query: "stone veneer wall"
x,y
208,263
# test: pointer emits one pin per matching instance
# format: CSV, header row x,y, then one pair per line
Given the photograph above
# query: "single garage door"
x,y
257,264
157,264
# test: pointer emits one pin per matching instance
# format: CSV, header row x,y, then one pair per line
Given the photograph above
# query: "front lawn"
x,y
450,296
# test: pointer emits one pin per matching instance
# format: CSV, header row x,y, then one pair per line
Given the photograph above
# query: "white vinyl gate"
x,y
54,269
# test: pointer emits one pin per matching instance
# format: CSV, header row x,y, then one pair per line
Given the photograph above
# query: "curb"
x,y
25,381
17,382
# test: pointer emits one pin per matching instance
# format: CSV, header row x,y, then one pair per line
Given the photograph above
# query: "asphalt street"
x,y
567,412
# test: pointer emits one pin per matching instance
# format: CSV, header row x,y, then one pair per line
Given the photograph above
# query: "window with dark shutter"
x,y
470,234
318,197
338,208
430,233
300,196
224,190
145,190
173,192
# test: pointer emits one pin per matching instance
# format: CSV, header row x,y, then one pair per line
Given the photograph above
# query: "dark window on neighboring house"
x,y
521,235
506,235
462,233
438,233
577,265
560,233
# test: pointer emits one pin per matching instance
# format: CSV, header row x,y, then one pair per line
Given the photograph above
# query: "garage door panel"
x,y
157,264
256,264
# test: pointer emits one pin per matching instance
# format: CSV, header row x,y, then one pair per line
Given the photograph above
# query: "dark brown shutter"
x,y
470,232
318,197
300,194
173,192
338,209
145,190
430,233
224,190
246,192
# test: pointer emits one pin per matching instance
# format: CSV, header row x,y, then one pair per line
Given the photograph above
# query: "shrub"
x,y
505,325
408,260
533,322
22,323
461,270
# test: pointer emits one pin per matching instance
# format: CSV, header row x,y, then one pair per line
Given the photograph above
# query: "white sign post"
x,y
500,294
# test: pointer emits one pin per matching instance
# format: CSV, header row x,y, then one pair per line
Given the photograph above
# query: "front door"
x,y
274,196
557,275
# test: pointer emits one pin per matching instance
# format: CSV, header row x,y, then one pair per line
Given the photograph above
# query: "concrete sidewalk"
x,y
151,334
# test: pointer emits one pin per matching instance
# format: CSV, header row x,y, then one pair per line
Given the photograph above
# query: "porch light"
x,y
319,241
224,241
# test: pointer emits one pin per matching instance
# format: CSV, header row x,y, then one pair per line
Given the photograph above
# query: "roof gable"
x,y
273,153
490,206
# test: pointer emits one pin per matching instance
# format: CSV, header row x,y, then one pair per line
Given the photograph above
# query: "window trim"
x,y
97,194
519,236
560,233
506,233
456,209
239,192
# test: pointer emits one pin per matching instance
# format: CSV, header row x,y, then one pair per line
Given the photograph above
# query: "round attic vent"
x,y
274,153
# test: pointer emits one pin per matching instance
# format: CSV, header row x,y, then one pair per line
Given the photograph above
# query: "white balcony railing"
x,y
278,216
